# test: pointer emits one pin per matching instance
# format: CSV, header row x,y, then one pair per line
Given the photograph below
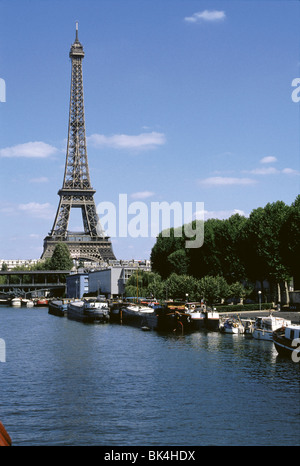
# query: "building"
x,y
13,263
77,285
109,280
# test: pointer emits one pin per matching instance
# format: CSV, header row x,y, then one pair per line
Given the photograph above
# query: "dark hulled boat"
x,y
58,307
286,341
172,316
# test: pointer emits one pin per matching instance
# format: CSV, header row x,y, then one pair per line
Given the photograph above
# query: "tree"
x,y
205,261
179,262
227,237
290,241
166,243
144,284
261,244
214,289
238,291
178,286
61,259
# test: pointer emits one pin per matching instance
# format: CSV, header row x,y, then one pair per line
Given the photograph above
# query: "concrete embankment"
x,y
294,317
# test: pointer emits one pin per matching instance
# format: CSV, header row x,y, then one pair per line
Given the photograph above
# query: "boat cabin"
x,y
292,332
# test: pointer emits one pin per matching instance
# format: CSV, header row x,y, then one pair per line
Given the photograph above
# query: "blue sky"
x,y
185,101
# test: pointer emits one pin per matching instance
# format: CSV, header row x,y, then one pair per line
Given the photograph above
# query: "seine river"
x,y
68,383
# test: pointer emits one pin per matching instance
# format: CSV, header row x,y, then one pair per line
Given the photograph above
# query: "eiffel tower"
x,y
77,192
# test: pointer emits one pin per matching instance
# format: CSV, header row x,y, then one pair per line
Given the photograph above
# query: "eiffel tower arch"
x,y
91,244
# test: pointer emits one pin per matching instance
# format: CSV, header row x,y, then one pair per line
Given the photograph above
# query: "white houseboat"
x,y
265,326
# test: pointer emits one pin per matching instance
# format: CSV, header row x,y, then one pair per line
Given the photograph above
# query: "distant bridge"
x,y
37,280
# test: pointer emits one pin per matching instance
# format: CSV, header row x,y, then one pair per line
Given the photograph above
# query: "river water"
x,y
68,383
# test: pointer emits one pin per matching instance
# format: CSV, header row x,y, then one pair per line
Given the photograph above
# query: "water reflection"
x,y
67,383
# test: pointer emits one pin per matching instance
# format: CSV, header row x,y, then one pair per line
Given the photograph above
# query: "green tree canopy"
x,y
214,289
261,243
61,259
289,236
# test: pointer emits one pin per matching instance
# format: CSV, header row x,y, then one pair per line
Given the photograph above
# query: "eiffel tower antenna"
x,y
77,192
76,38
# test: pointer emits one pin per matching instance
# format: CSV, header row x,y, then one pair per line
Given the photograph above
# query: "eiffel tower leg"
x,y
61,221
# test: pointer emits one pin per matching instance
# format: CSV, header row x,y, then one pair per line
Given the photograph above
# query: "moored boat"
x,y
58,307
42,302
16,302
114,310
172,316
265,326
232,326
286,340
197,315
248,325
138,315
27,302
5,299
88,311
212,321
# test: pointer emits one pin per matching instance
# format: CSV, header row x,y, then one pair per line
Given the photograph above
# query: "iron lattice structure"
x,y
77,192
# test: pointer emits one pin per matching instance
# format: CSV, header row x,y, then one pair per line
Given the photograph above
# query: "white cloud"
x,y
290,171
34,209
264,171
268,159
220,214
41,179
226,181
206,15
124,141
36,149
142,195
272,171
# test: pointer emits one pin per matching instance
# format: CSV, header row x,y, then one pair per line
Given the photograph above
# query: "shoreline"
x,y
293,316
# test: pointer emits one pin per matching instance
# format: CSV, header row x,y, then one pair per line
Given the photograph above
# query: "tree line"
x,y
184,287
263,247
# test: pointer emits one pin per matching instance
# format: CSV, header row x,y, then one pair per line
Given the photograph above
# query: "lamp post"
x,y
259,299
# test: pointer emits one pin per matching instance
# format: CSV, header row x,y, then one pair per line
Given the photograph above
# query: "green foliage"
x,y
214,289
265,246
289,239
183,287
261,243
61,259
179,261
167,243
144,284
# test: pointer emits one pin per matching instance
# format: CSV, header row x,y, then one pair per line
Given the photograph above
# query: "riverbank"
x,y
294,317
